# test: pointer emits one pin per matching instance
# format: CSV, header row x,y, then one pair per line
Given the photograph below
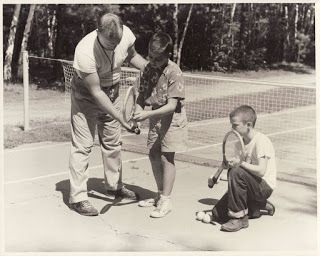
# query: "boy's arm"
x,y
164,110
259,169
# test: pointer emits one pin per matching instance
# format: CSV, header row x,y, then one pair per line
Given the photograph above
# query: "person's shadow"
x,y
96,189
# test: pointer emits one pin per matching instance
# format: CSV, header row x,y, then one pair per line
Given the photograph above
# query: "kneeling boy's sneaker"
x,y
235,224
84,208
124,193
270,208
163,208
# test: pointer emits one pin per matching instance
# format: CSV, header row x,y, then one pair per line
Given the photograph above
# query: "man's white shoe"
x,y
163,208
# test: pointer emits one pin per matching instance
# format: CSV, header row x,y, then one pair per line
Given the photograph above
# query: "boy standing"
x,y
251,183
162,88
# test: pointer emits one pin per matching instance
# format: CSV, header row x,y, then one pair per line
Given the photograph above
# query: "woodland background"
x,y
207,37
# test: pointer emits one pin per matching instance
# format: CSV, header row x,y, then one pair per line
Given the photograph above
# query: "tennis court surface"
x,y
37,217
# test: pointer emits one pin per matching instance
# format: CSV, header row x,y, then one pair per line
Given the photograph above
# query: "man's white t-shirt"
x,y
90,57
261,146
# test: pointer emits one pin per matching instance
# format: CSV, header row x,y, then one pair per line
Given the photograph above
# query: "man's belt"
x,y
111,91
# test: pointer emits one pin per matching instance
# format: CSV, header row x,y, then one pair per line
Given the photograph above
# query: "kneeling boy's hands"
x,y
234,162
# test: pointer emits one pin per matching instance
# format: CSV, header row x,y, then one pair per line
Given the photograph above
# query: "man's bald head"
x,y
110,26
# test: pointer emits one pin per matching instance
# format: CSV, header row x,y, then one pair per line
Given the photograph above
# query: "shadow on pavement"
x,y
96,189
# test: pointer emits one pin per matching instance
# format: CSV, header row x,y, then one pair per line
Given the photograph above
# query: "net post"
x,y
26,90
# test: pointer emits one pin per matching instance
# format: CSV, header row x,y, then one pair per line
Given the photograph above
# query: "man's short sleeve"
x,y
128,36
84,60
176,85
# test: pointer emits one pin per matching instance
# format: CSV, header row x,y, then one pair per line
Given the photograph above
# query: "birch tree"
x,y
52,31
177,48
7,74
26,35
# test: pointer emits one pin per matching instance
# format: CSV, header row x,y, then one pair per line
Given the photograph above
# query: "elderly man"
x,y
95,103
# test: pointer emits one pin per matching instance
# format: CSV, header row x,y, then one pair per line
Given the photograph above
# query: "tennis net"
x,y
286,113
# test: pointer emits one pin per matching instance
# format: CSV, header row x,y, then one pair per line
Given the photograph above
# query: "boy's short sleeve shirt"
x,y
162,85
261,146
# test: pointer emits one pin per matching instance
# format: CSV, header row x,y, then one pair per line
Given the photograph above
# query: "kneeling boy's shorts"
x,y
170,131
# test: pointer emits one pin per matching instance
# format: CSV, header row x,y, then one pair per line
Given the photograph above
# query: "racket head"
x,y
232,147
129,103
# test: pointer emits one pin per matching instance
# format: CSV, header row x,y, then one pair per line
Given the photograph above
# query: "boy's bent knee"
x,y
235,172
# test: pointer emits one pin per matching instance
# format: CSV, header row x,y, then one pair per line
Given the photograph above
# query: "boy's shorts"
x,y
170,132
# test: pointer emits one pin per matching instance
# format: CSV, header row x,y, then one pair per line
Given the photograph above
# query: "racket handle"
x,y
137,130
213,180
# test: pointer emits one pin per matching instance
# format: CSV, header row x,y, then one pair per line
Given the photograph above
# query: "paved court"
x,y
37,218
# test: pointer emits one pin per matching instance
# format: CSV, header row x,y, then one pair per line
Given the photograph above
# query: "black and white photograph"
x,y
171,127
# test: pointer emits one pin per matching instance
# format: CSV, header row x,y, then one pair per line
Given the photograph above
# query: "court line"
x,y
143,131
66,172
146,157
268,134
190,125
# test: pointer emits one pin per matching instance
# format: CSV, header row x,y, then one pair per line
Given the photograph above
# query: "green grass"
x,y
43,131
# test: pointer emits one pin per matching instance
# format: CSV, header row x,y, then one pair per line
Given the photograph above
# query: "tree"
x,y
184,35
10,46
26,35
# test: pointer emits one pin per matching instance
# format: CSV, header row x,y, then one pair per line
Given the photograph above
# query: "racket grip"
x,y
137,130
213,179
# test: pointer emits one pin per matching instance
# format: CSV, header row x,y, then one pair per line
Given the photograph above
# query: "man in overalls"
x,y
95,103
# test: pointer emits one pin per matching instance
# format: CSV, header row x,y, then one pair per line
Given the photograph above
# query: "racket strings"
x,y
233,148
129,107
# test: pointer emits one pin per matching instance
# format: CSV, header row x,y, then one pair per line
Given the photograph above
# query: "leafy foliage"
x,y
254,36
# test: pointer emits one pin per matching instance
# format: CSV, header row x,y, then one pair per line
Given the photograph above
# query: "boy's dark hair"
x,y
161,43
110,25
248,114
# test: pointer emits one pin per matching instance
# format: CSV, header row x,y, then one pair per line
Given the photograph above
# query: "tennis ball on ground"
x,y
200,215
206,218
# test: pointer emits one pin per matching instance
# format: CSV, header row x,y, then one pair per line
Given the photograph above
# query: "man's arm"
x,y
92,82
136,59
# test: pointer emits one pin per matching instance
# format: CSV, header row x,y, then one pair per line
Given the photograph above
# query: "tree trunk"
x,y
52,32
176,33
26,35
230,34
184,35
10,48
296,48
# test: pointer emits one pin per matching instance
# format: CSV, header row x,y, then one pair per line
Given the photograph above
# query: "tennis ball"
x,y
200,215
206,218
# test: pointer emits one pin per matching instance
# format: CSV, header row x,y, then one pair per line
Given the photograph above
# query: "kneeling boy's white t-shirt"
x,y
261,146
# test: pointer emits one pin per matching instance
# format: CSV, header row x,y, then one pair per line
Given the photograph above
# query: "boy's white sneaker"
x,y
163,208
150,201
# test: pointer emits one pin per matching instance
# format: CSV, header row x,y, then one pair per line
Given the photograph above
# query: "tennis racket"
x,y
129,107
232,147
